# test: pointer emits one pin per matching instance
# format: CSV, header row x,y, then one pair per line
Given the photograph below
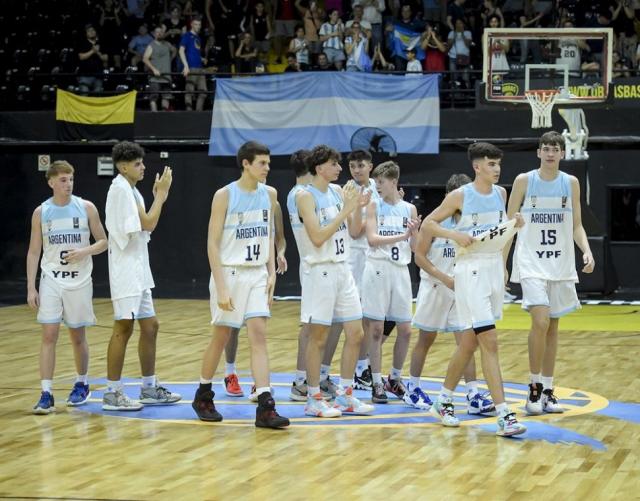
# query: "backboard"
x,y
575,61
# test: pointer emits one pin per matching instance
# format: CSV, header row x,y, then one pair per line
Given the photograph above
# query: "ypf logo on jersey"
x,y
564,202
381,220
405,222
474,219
534,201
49,225
500,217
323,215
76,223
265,215
240,217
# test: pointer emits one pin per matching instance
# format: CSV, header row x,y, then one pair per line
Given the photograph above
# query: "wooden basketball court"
x,y
592,452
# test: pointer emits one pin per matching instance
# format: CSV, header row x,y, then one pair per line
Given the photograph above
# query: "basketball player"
x,y
241,256
544,261
386,285
299,164
61,228
478,281
570,51
130,279
436,310
231,384
329,292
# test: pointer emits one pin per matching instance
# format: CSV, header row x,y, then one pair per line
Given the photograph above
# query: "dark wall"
x,y
178,246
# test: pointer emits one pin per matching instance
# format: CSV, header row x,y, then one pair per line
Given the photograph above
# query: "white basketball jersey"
x,y
392,220
361,242
294,217
336,248
569,54
480,212
247,227
442,253
65,228
544,248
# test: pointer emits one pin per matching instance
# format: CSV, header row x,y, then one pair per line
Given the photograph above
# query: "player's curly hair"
x,y
298,162
321,154
126,151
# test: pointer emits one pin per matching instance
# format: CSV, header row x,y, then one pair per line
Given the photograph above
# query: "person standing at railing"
x,y
192,65
157,58
92,62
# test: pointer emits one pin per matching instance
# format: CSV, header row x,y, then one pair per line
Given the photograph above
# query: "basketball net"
x,y
541,102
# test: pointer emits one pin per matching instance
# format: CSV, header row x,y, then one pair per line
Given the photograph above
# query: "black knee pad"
x,y
486,328
388,327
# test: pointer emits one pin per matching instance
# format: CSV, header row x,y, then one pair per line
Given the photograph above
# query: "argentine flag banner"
x,y
403,39
294,111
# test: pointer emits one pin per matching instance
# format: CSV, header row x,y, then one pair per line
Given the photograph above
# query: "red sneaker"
x,y
232,386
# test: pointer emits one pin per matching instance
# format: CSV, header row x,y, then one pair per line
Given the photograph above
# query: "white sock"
x,y
534,378
502,409
312,391
444,394
46,384
113,386
547,382
204,380
376,377
149,381
324,372
396,373
229,368
264,389
82,378
345,383
301,376
472,388
361,366
415,382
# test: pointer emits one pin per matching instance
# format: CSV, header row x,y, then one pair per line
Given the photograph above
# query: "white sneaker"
x,y
534,399
417,399
118,401
348,404
158,395
318,407
443,410
550,402
508,425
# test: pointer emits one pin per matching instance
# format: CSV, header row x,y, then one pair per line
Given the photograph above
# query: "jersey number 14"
x,y
253,252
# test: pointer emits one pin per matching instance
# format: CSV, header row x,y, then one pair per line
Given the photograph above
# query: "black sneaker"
x,y
363,382
266,415
378,395
204,406
395,386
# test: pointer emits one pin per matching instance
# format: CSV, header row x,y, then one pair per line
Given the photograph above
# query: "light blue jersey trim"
x,y
50,321
372,317
80,325
256,314
347,319
233,325
564,312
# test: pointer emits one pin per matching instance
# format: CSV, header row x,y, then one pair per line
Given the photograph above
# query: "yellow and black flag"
x,y
81,118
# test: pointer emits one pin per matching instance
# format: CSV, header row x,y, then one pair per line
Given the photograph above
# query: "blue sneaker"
x,y
480,403
45,405
418,399
79,394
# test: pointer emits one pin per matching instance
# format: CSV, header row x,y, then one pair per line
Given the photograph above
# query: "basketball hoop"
x,y
541,102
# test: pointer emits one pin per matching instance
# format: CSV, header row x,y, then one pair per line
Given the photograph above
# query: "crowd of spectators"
x,y
180,42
